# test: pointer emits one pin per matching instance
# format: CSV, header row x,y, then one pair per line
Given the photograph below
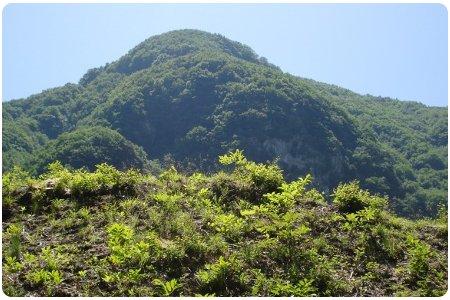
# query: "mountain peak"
x,y
173,44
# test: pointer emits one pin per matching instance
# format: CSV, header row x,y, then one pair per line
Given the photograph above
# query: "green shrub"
x,y
30,259
125,249
12,265
302,288
45,277
227,189
107,176
167,288
12,181
54,258
168,201
221,277
48,279
265,178
84,213
119,234
82,183
171,179
60,176
290,193
196,182
349,198
418,253
229,225
15,179
128,181
13,234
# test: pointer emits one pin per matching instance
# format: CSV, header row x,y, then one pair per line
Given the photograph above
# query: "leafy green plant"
x,y
15,179
267,178
111,278
221,277
126,250
229,225
53,258
133,204
49,279
172,179
58,205
82,273
30,259
168,201
119,234
60,176
13,233
84,213
134,275
303,288
295,233
419,253
107,176
167,288
290,193
12,265
349,198
83,183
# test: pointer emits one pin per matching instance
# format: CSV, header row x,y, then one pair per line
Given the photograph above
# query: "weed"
x,y
167,288
13,234
229,225
48,279
84,213
12,265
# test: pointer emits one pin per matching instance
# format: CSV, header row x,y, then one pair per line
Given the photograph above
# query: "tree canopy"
x,y
192,95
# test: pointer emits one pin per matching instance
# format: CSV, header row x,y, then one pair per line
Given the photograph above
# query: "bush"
x,y
418,253
126,250
167,288
229,225
12,182
12,265
13,234
290,193
349,198
302,288
227,189
265,178
60,181
14,179
221,277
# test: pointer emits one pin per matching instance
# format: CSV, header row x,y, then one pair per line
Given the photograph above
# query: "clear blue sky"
x,y
382,49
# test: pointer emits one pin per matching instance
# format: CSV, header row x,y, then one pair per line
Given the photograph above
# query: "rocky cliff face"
x,y
297,158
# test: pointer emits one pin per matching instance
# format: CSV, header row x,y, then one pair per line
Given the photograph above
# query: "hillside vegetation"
x,y
189,96
238,232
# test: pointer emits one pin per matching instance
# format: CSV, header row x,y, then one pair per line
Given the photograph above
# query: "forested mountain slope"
x,y
196,95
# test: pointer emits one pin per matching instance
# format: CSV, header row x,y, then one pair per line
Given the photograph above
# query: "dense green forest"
x,y
188,96
239,232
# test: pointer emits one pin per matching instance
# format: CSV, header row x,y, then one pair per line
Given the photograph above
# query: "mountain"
x,y
190,96
182,169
